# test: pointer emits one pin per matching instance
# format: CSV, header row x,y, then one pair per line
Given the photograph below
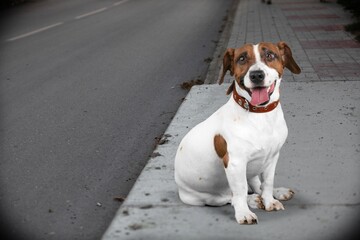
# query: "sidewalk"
x,y
320,159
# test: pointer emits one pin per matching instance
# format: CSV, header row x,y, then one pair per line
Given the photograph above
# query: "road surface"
x,y
86,87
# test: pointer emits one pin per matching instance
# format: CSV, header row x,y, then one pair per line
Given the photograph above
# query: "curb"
x,y
215,65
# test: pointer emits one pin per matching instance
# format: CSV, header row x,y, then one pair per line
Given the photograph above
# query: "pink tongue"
x,y
259,96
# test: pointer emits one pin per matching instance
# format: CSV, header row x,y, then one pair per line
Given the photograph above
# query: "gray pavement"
x,y
320,159
85,87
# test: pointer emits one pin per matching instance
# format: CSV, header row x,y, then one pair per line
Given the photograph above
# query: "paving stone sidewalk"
x,y
320,160
314,30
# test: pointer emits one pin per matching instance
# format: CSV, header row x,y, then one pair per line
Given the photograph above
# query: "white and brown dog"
x,y
234,152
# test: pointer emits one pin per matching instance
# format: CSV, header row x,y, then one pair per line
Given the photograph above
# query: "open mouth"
x,y
261,95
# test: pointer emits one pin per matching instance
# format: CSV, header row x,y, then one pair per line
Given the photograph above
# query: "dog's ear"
x,y
288,60
227,64
231,88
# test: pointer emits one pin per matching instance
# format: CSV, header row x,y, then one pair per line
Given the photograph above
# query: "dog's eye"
x,y
242,59
270,56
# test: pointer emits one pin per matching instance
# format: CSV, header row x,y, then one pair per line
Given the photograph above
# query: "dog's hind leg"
x,y
280,193
254,201
218,200
255,184
283,194
195,198
190,197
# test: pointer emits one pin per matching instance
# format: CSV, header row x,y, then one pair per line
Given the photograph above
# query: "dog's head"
x,y
258,70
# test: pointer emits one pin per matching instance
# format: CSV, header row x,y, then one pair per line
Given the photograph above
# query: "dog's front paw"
x,y
273,205
283,194
246,217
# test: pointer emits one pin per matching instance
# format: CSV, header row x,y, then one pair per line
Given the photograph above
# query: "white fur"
x,y
253,144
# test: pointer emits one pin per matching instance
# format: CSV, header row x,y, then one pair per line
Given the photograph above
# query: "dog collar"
x,y
255,109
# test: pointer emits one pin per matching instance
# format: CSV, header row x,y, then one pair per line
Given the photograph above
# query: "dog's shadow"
x,y
293,207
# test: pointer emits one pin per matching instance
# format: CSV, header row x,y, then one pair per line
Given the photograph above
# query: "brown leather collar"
x,y
255,109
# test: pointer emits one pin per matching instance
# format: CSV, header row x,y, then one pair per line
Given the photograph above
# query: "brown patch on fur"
x,y
242,67
277,62
283,57
226,160
288,60
221,149
231,88
232,63
228,64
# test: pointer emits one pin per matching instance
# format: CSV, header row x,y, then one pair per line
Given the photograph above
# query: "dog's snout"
x,y
257,76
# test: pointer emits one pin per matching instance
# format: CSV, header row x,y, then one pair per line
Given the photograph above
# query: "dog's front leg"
x,y
236,176
267,186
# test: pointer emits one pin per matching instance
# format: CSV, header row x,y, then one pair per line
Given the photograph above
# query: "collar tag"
x,y
246,105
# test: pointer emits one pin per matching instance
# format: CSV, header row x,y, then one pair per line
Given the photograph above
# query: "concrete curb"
x,y
213,72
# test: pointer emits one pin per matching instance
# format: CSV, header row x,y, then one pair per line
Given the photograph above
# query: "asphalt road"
x,y
86,86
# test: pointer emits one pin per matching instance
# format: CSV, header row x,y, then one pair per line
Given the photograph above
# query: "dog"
x,y
231,156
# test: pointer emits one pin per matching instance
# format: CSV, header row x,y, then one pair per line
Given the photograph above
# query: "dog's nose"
x,y
257,76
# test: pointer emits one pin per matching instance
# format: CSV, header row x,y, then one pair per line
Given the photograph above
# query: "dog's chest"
x,y
263,133
258,137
